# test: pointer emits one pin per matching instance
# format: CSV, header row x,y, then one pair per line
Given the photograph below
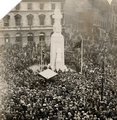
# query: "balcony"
x,y
43,27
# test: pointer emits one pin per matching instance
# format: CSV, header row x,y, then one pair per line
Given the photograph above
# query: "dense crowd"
x,y
67,96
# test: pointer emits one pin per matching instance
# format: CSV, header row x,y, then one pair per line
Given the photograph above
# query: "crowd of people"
x,y
67,96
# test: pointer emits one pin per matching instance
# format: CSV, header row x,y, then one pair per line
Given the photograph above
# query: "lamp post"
x,y
93,80
41,37
82,45
102,81
103,67
41,57
19,29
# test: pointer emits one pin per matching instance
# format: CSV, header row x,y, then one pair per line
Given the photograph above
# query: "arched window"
x,y
7,38
42,36
18,37
18,19
30,19
42,43
6,20
52,20
42,19
30,37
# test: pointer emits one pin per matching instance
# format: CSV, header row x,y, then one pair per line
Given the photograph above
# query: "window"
x,y
18,37
42,36
41,6
62,20
53,6
42,19
115,9
30,37
115,29
52,20
30,19
29,6
18,20
17,7
62,5
6,20
7,38
42,39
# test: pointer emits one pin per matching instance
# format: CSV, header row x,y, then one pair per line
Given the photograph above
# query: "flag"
x,y
78,44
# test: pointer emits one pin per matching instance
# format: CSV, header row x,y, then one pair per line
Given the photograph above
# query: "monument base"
x,y
62,68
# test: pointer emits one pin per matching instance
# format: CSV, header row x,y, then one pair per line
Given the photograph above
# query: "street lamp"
x,y
93,78
103,67
41,38
81,53
19,35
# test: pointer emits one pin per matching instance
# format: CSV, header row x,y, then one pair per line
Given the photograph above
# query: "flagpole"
x,y
41,55
81,54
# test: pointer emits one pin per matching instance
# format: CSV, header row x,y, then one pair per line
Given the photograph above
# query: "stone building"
x,y
31,20
114,15
88,15
114,22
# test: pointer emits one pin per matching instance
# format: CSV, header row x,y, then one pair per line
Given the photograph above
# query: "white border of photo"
x,y
6,6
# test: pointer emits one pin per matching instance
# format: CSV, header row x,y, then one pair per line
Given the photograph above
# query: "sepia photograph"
x,y
58,60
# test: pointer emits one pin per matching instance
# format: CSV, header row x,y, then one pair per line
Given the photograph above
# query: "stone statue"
x,y
57,28
57,43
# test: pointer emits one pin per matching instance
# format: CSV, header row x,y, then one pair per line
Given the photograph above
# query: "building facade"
x,y
114,15
114,22
88,15
29,21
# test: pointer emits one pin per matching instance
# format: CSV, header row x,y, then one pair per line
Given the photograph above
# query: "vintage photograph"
x,y
58,60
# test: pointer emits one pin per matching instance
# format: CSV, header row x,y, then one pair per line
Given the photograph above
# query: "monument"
x,y
57,61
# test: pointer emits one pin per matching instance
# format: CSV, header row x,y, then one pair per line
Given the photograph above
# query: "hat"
x,y
44,105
